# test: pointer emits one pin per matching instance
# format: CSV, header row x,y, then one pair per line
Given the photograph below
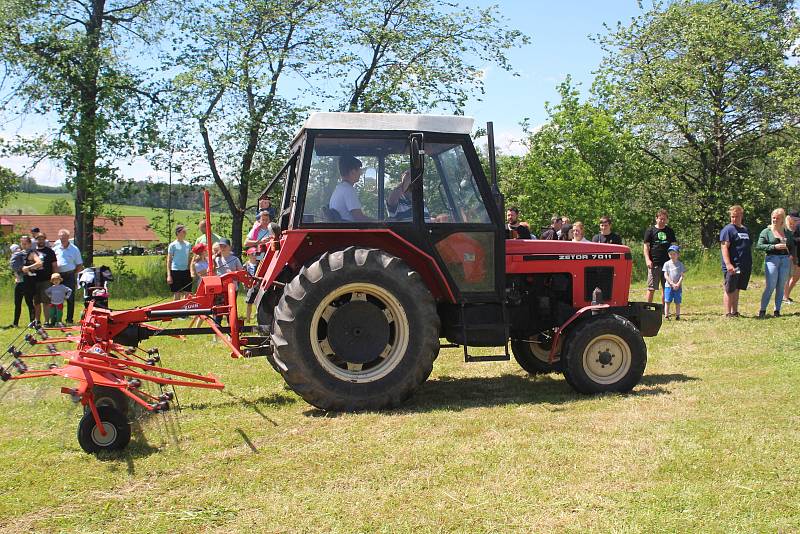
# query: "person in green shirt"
x,y
202,239
777,242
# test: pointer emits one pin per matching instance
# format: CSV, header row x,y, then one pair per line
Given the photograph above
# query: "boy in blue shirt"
x,y
673,277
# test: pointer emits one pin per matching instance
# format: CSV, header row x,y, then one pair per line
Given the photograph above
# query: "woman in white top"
x,y
578,232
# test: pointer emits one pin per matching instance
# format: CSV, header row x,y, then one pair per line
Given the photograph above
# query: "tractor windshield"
x,y
349,175
451,194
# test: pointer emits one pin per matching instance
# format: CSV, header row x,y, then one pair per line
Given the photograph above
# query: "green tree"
x,y
417,55
710,93
70,59
9,182
234,58
583,163
59,206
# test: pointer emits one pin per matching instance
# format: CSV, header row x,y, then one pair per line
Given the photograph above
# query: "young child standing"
x,y
58,293
250,267
673,276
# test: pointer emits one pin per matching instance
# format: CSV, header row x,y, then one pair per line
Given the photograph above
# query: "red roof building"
x,y
131,230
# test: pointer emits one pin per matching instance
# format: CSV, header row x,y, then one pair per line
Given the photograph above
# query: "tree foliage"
x,y
709,92
582,163
417,55
71,60
9,183
58,206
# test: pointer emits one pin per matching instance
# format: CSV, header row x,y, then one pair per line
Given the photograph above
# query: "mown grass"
x,y
706,443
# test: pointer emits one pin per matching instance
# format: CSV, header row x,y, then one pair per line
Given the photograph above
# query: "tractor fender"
x,y
300,246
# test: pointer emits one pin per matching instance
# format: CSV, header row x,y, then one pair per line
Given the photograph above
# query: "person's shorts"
x,y
655,276
181,281
40,295
673,295
735,281
252,293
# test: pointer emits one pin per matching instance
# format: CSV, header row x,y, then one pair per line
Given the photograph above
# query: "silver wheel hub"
x,y
606,359
359,332
108,439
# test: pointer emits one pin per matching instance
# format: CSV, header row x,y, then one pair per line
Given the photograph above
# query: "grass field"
x,y
706,443
36,203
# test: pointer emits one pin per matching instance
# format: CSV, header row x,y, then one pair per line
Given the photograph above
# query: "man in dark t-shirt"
x,y
515,227
551,232
49,266
606,235
737,260
657,240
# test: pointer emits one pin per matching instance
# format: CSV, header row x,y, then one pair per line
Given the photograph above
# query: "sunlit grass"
x,y
707,442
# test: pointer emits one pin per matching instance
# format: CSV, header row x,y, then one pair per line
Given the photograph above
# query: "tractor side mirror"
x,y
417,143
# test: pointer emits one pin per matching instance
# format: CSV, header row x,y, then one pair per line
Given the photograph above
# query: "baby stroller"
x,y
94,281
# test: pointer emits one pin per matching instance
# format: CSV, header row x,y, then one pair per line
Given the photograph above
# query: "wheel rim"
x,y
369,334
108,439
607,359
541,346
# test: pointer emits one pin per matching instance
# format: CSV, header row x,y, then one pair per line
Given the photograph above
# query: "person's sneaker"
x,y
677,317
735,314
788,300
777,313
762,314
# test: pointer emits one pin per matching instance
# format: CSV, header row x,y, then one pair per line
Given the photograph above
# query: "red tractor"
x,y
393,238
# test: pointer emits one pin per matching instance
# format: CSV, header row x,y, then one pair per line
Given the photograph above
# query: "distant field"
x,y
36,203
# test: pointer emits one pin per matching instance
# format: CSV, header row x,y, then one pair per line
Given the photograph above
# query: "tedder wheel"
x,y
113,397
534,355
604,353
356,330
116,425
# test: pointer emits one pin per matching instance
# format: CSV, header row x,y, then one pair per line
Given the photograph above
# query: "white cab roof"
x,y
388,121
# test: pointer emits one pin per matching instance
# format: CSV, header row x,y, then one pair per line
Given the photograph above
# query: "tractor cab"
x,y
415,176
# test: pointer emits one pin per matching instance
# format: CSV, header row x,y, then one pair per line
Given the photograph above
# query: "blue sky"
x,y
560,45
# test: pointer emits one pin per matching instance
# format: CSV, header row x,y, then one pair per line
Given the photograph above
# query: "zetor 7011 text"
x,y
392,238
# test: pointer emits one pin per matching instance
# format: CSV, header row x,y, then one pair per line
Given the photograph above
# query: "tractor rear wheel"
x,y
534,355
356,330
604,354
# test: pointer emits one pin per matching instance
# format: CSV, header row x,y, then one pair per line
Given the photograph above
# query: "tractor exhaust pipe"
x,y
498,196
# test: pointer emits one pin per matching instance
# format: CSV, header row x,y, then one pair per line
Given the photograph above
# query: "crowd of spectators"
x,y
45,273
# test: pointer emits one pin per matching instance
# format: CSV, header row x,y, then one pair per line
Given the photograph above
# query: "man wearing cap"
x,y
260,233
179,277
737,260
793,222
70,263
344,199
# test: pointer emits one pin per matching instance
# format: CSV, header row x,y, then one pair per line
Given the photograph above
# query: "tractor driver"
x,y
344,199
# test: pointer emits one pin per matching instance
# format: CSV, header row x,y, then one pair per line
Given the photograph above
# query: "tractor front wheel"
x,y
604,354
356,330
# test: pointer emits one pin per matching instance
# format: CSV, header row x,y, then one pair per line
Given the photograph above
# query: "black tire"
x,y
369,299
604,353
112,397
533,356
117,427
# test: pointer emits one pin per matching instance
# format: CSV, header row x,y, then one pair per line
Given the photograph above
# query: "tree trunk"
x,y
237,222
86,191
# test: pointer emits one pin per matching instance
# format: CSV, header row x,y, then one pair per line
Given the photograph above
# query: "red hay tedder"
x,y
352,305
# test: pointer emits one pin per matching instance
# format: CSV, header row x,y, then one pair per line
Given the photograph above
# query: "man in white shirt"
x,y
345,198
70,262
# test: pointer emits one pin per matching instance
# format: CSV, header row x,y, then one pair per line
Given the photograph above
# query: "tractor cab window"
x,y
450,192
352,179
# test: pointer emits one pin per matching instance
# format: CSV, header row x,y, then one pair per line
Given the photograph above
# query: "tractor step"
x,y
492,358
